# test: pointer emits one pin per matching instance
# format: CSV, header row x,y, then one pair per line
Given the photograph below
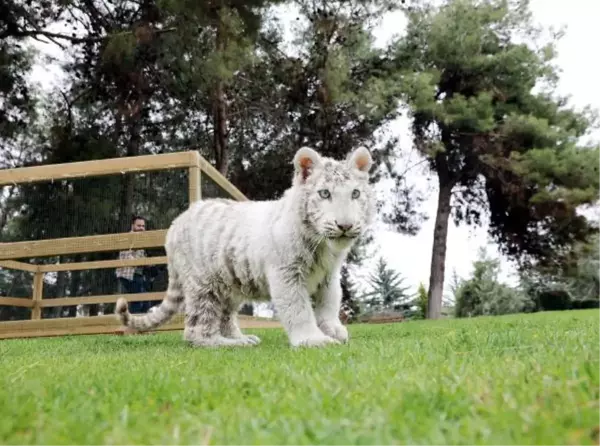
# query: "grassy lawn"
x,y
517,379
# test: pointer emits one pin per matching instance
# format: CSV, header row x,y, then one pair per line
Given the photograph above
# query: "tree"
x,y
584,278
221,71
571,283
331,94
138,74
495,144
387,291
152,77
483,294
18,99
350,302
421,301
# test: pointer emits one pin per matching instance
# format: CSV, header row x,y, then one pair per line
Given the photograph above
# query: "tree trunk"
x,y
133,149
220,110
4,212
438,255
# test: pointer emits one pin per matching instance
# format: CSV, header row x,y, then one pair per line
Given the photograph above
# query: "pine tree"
x,y
421,300
387,292
484,294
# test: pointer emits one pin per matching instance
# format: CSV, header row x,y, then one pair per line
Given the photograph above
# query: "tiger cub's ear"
x,y
305,161
361,159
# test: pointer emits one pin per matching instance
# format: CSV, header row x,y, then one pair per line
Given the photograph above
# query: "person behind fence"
x,y
132,278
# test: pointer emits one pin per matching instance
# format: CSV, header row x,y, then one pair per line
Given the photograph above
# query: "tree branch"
x,y
50,35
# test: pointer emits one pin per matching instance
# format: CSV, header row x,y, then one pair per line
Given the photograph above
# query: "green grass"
x,y
519,379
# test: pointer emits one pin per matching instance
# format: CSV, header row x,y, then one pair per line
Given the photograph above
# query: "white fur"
x,y
222,253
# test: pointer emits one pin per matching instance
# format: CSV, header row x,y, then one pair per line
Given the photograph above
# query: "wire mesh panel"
x,y
15,284
90,206
64,214
85,207
210,189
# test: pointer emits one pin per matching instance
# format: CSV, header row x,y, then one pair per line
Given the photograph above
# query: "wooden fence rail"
x,y
10,252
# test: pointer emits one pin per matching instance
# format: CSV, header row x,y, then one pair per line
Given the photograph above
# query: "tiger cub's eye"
x,y
324,194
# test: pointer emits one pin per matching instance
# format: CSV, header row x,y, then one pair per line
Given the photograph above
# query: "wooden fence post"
x,y
194,179
38,288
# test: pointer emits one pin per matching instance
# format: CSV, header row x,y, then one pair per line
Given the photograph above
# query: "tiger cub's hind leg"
x,y
229,326
203,316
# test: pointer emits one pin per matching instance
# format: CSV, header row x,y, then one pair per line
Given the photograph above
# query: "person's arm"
x,y
125,255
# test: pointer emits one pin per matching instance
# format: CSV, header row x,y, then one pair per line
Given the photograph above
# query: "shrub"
x,y
483,294
585,303
553,300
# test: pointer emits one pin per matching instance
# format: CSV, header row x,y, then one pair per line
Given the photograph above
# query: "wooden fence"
x,y
10,253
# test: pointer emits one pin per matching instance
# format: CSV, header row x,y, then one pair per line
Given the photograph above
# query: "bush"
x,y
421,303
483,294
468,301
554,300
585,303
560,300
490,298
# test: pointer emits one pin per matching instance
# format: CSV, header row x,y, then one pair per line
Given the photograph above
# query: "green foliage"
x,y
164,75
584,279
552,300
500,147
15,283
18,98
332,94
387,292
350,301
559,299
421,302
573,283
585,304
483,294
16,102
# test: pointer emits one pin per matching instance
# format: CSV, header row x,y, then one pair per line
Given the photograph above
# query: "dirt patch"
x,y
258,323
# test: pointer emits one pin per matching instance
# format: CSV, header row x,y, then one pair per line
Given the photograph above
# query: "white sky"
x,y
412,255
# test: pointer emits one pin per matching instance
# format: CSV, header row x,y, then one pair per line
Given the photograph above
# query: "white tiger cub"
x,y
222,253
